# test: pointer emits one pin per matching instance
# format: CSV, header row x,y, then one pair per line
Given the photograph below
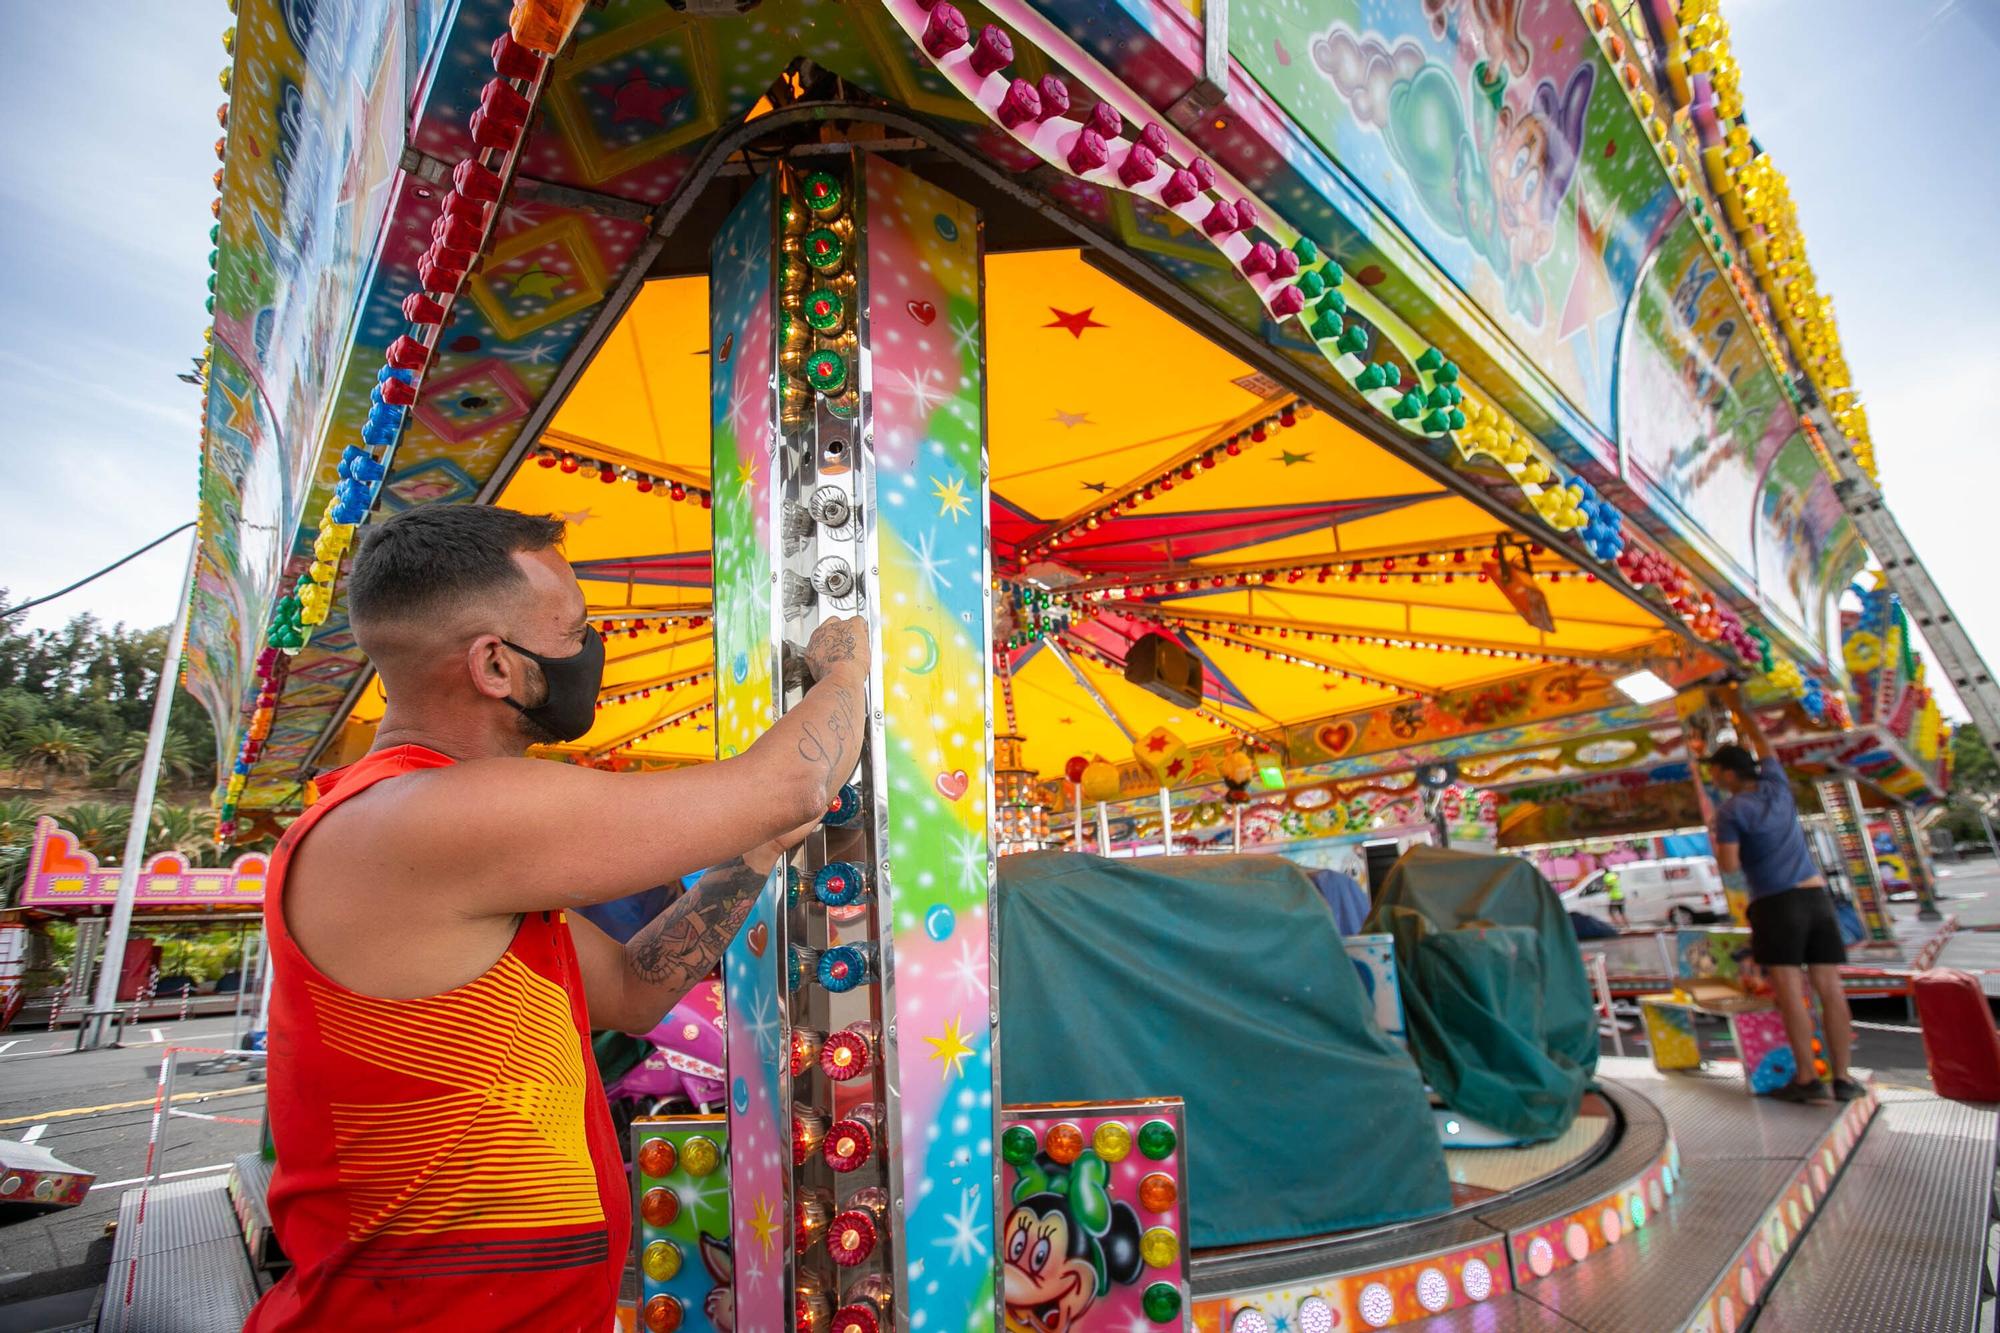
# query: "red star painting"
x,y
639,98
1076,321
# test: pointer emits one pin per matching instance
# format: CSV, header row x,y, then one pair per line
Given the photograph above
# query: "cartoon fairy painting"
x,y
1486,167
1064,1244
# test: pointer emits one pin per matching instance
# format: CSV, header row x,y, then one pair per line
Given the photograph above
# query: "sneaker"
x,y
1848,1090
1805,1094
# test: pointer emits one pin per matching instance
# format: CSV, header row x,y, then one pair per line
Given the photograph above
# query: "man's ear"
x,y
494,670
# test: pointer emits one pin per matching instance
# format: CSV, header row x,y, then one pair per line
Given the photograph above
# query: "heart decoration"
x,y
760,935
1335,737
728,342
921,311
952,785
61,856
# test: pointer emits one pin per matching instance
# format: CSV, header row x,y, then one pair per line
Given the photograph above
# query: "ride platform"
x,y
1703,1209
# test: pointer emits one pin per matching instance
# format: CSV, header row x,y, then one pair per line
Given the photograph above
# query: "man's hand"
x,y
842,641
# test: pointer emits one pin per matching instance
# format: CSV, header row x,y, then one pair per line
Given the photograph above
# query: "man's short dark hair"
x,y
1734,759
432,557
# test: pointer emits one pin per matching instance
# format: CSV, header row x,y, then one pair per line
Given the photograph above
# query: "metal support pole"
x,y
1987,824
1917,861
105,1000
264,1000
1602,977
245,970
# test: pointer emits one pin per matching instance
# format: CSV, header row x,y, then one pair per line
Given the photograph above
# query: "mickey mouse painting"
x,y
1065,1242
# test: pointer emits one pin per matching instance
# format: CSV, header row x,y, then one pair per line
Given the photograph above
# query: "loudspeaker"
x,y
1159,664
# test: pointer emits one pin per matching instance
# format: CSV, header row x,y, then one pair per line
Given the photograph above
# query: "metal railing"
x,y
223,1058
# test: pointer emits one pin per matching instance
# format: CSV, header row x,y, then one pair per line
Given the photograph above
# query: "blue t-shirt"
x,y
1348,899
1765,823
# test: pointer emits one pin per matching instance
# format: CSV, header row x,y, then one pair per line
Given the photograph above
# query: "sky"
x,y
105,187
1873,112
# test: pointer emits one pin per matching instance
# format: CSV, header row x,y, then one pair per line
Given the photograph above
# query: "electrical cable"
x,y
88,578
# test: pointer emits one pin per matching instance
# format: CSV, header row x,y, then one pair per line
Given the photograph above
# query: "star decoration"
x,y
1097,486
1288,458
639,98
950,497
576,518
967,1238
537,282
925,389
1066,721
1156,743
241,416
950,1050
1071,420
764,1222
1075,321
1592,295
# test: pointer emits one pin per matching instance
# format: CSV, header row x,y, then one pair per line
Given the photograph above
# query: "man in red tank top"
x,y
445,1153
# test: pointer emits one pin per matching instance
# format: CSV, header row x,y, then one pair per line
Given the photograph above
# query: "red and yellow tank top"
x,y
446,1162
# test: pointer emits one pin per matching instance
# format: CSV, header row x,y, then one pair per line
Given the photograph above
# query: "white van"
x,y
1678,891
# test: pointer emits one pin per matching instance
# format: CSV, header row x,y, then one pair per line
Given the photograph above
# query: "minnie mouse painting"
x,y
1064,1244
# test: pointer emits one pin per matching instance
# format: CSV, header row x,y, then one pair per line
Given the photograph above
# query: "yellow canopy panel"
x,y
1311,571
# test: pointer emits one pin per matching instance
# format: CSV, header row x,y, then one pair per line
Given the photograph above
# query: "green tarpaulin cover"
x,y
1495,998
1219,980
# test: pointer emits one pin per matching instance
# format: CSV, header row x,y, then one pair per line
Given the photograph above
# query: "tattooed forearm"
x,y
833,744
681,945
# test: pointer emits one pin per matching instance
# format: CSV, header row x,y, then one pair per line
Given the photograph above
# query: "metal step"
x,y
1902,1241
249,1193
180,1269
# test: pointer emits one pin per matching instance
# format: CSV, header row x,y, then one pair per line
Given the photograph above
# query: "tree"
x,y
186,829
1975,785
177,757
17,831
101,683
50,748
99,826
19,710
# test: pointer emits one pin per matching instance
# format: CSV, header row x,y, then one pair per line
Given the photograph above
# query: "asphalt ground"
x,y
95,1111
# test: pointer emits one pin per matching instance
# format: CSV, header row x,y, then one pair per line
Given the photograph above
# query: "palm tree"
x,y
176,757
99,827
52,748
186,829
17,831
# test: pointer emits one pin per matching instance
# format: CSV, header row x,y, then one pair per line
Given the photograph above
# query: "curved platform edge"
x,y
1749,1276
1512,1243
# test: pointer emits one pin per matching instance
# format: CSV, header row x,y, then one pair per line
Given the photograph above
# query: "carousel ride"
x,y
1145,483
818,309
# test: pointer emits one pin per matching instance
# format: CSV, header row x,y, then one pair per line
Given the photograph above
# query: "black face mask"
x,y
570,706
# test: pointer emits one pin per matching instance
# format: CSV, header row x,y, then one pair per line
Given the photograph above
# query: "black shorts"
x,y
1796,928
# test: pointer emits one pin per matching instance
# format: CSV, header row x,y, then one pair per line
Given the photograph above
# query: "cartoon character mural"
x,y
1492,28
1486,167
1065,1243
720,1304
